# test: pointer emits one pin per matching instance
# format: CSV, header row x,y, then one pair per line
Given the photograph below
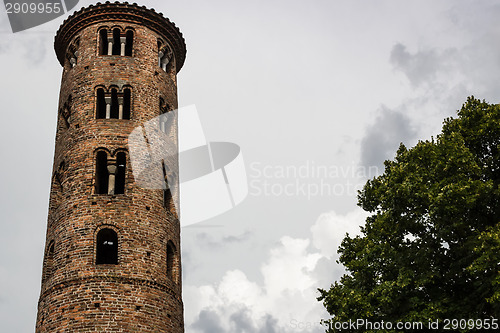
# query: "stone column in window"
x,y
164,63
123,41
160,56
110,43
72,61
108,106
112,177
120,107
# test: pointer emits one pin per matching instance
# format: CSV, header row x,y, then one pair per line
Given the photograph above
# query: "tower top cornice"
x,y
120,11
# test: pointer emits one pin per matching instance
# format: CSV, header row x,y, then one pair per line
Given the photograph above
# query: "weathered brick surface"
x,y
136,295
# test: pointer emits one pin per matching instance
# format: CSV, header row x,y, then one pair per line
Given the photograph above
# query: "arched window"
x,y
106,247
165,56
172,262
100,104
51,251
102,174
72,54
57,190
167,193
129,36
103,42
49,259
110,173
65,114
116,41
127,94
121,163
114,104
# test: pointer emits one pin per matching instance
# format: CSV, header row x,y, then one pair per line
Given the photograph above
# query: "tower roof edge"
x,y
120,11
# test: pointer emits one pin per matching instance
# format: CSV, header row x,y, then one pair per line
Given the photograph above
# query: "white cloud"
x,y
330,228
286,300
292,261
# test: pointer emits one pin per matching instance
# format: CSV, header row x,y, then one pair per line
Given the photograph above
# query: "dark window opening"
x,y
160,53
65,117
162,105
49,259
116,41
103,42
101,104
167,194
129,43
102,176
126,103
58,175
171,260
51,251
107,247
167,198
121,162
58,181
57,190
66,112
114,104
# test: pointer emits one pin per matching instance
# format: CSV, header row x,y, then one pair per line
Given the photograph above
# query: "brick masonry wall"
x,y
136,295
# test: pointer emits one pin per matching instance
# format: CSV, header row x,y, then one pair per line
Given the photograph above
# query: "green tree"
x,y
431,247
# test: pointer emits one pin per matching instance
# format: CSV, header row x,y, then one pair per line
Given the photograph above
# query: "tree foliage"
x,y
431,247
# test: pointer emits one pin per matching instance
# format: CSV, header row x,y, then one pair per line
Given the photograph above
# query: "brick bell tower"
x,y
112,255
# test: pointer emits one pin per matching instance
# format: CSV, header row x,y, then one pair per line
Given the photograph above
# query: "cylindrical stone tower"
x,y
112,255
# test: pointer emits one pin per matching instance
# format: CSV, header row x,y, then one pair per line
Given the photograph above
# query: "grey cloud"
x,y
271,325
211,240
382,139
423,66
208,322
236,239
35,50
242,322
327,271
32,48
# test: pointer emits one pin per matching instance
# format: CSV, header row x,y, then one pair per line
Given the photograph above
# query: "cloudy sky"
x,y
316,93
